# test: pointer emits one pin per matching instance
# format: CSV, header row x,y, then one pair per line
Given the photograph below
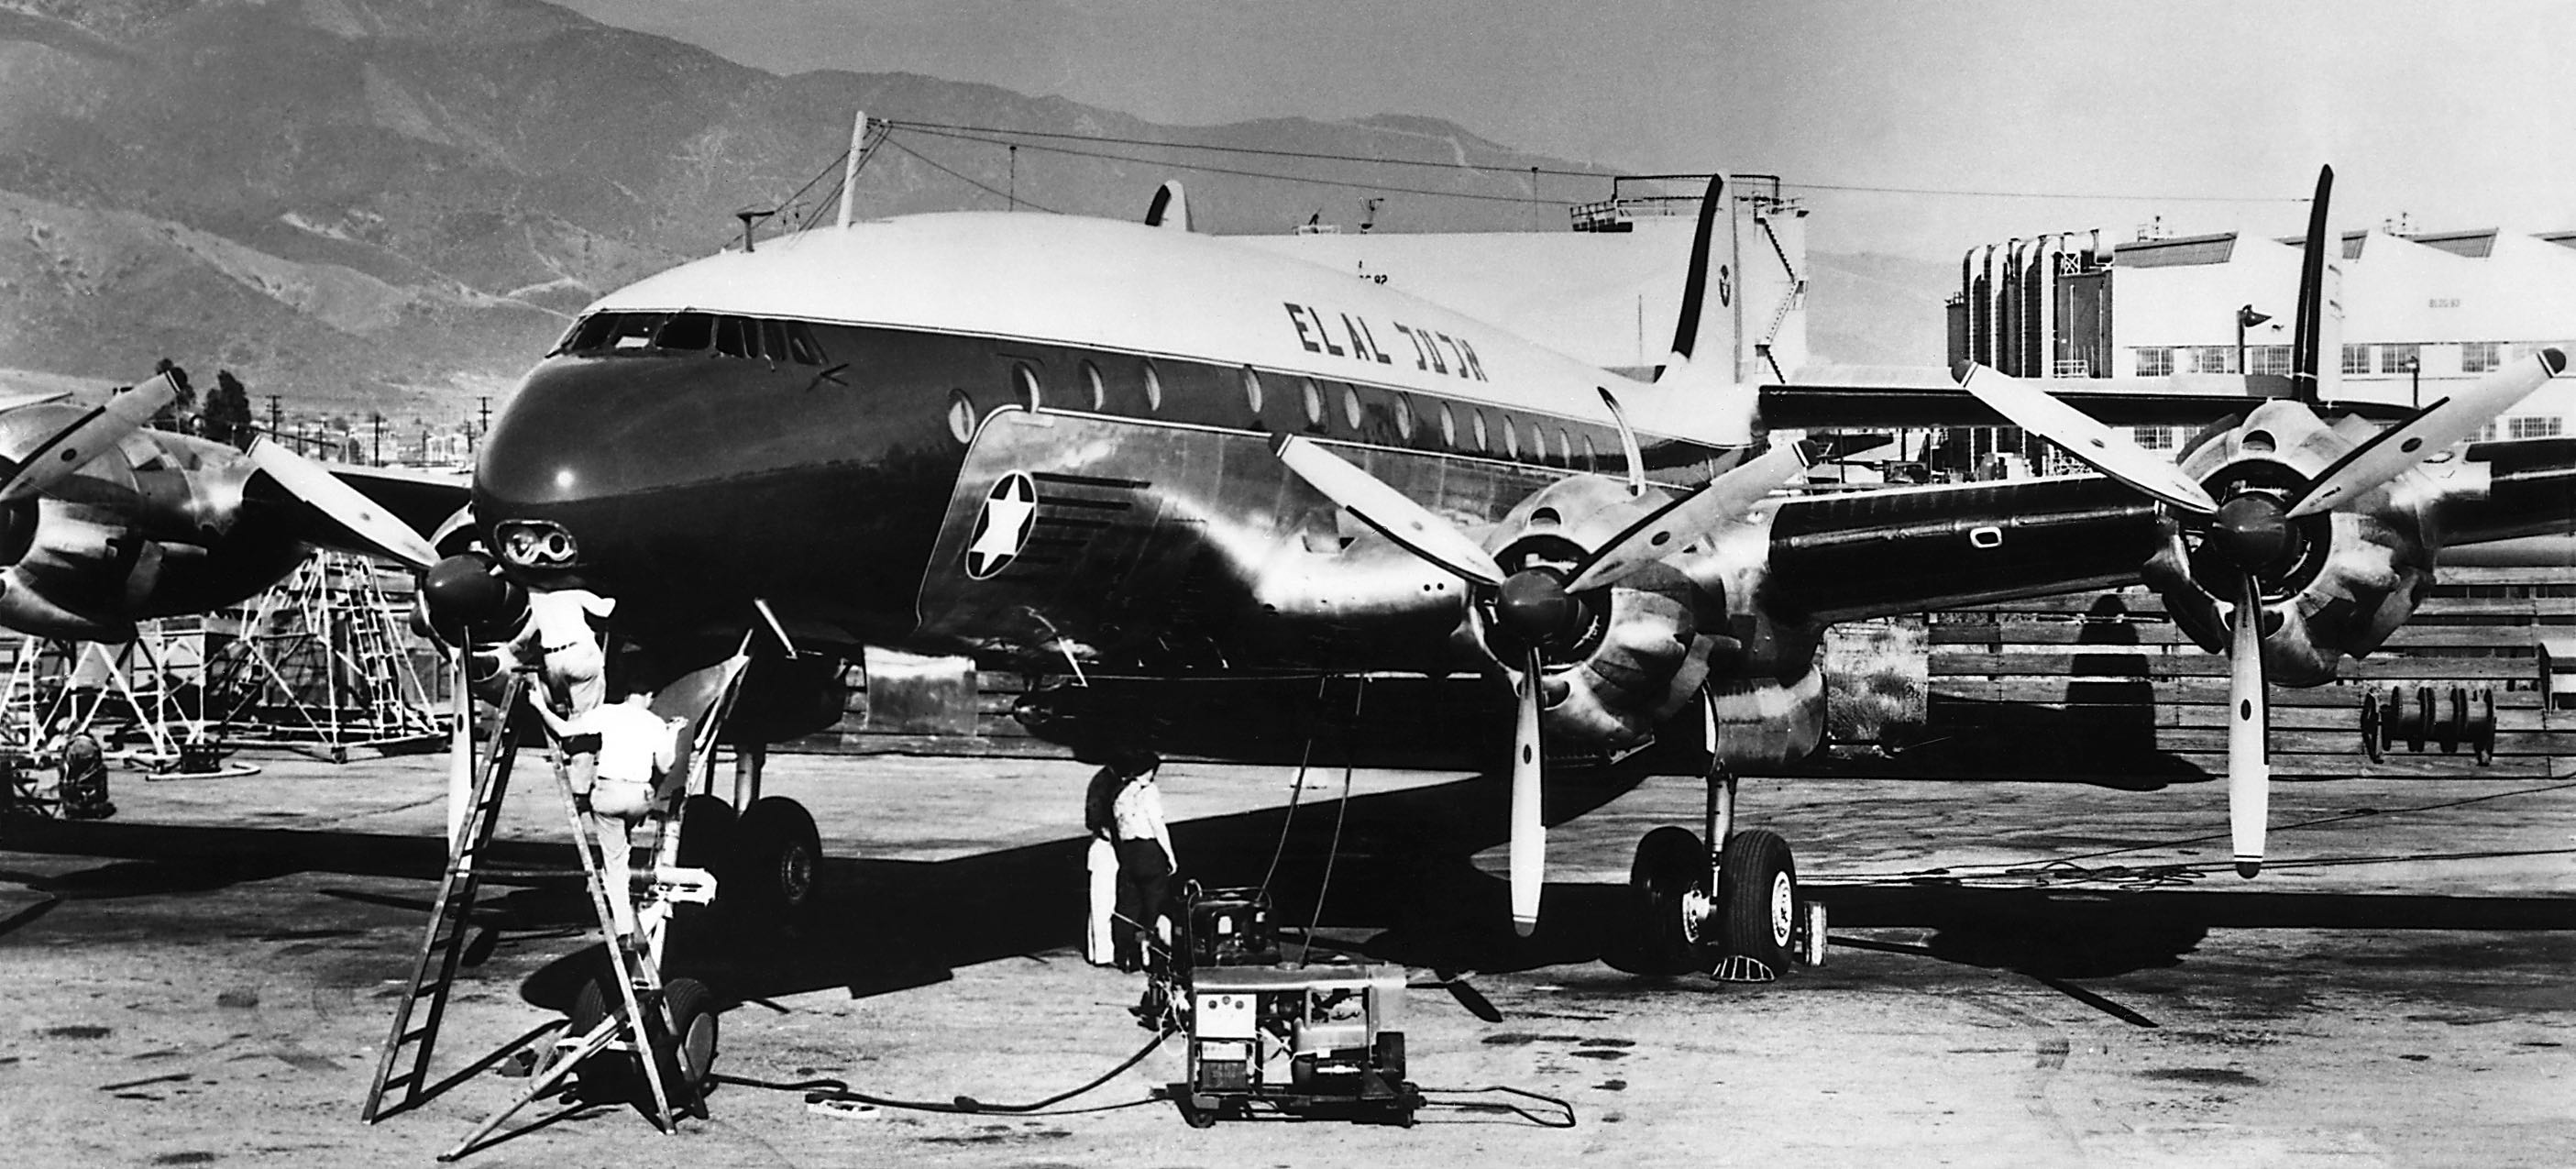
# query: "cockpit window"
x,y
692,332
686,332
635,331
801,345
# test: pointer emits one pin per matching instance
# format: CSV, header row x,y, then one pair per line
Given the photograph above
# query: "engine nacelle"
x,y
2354,575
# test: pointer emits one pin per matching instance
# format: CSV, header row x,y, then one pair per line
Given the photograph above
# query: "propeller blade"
x,y
2249,761
1529,830
2391,452
1671,528
2320,291
1636,459
1386,509
2100,447
72,447
310,482
1455,982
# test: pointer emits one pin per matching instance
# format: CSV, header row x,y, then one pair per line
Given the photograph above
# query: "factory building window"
x,y
2534,426
2213,359
2398,358
2153,438
2155,361
2268,359
2477,356
2356,359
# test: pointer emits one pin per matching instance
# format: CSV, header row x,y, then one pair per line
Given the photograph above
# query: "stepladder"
x,y
631,1037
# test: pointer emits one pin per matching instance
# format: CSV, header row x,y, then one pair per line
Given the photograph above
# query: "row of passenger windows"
x,y
2386,358
1330,408
674,333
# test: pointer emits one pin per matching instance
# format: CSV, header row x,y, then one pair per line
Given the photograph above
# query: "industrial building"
x,y
2423,312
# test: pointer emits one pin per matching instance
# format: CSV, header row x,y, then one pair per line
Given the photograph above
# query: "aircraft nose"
x,y
567,436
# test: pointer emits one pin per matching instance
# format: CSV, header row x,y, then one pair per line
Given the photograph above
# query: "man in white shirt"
x,y
615,756
1144,851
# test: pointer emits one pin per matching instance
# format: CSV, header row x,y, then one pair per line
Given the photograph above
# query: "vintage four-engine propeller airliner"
x,y
1046,439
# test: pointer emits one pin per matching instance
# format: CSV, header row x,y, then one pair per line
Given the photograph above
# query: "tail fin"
x,y
1170,208
2316,348
1743,299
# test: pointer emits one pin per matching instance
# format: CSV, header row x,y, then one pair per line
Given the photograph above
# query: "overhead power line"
x,y
984,134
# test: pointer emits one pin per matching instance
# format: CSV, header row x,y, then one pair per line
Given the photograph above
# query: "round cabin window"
x,y
1252,391
961,416
1153,389
1351,412
1027,381
1314,395
1099,389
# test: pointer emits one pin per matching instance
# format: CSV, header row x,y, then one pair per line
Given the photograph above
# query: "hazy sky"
x,y
2455,114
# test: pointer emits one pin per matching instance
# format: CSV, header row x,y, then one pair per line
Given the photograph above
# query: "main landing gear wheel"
x,y
1757,895
777,859
1669,888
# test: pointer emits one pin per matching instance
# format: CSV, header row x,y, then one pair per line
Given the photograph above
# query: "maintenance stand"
x,y
628,1029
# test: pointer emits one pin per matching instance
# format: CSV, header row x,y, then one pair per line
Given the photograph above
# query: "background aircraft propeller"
x,y
308,481
2252,533
1536,604
72,447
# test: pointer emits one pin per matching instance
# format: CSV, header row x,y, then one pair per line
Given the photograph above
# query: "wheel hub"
x,y
1784,908
1696,909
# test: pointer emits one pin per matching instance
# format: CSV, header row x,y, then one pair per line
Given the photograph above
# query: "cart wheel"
x,y
2482,727
606,1076
1196,1116
2369,728
693,1016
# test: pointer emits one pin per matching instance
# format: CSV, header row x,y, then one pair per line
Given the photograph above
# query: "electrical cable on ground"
x,y
1565,1121
821,1090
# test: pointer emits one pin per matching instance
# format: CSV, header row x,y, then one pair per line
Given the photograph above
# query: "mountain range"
x,y
394,205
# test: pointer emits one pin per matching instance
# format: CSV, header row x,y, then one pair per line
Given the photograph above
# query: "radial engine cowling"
x,y
1616,661
2342,581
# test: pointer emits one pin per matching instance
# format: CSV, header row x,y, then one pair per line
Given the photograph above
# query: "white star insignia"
x,y
1010,510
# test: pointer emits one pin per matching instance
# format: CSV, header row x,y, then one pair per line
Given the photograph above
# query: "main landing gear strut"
x,y
1732,910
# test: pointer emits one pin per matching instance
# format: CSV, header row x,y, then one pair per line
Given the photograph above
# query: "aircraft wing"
x,y
1880,553
1876,397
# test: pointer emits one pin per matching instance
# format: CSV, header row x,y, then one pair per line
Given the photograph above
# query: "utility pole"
x,y
378,418
272,414
1014,195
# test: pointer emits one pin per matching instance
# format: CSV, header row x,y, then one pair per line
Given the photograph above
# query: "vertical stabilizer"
x,y
1170,208
1705,332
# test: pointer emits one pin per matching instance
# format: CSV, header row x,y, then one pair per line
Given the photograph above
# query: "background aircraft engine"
x,y
2332,583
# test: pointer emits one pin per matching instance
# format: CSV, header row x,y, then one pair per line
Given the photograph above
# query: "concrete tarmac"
x,y
2024,974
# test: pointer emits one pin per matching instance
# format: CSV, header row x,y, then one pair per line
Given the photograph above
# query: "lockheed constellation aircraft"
x,y
1142,451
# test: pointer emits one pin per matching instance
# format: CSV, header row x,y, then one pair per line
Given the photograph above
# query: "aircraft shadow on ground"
x,y
1403,888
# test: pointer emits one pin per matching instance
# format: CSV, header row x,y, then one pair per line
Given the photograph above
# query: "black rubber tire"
x,y
607,1077
707,829
1671,863
777,860
2371,743
1757,898
1198,1117
693,1016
